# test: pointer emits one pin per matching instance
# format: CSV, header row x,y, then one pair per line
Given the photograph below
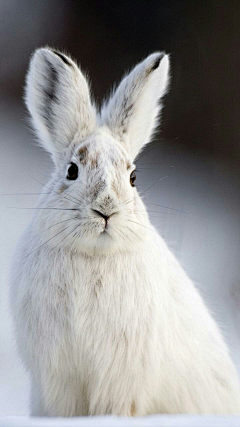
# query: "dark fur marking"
x,y
156,63
62,188
133,408
63,58
99,186
94,162
127,109
53,80
50,94
82,152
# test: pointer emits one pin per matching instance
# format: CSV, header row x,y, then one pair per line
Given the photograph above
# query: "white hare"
x,y
106,320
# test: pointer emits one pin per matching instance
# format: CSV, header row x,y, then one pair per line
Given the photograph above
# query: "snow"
x,y
110,421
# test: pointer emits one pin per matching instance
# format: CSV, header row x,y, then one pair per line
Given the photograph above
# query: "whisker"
x,y
75,236
65,220
125,235
74,198
166,207
141,169
161,206
48,240
65,237
60,222
148,151
79,192
21,194
161,179
142,192
143,211
152,216
149,212
51,189
148,228
58,209
134,233
150,163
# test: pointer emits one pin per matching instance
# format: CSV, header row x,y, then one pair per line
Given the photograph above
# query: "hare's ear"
x,y
132,111
57,96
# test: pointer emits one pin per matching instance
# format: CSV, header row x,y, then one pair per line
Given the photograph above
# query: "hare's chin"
x,y
104,238
103,244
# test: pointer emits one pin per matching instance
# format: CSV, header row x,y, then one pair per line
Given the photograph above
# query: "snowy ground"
x,y
110,421
206,239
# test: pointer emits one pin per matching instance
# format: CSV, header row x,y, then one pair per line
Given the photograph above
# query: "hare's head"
x,y
93,205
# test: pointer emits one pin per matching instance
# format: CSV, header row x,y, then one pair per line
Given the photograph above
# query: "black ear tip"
x,y
157,61
63,58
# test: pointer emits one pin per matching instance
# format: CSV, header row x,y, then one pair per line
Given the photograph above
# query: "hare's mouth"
x,y
105,234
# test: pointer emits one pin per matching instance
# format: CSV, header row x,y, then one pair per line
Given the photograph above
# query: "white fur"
x,y
133,111
58,98
108,322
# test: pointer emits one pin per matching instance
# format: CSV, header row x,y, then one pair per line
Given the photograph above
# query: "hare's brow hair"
x,y
82,150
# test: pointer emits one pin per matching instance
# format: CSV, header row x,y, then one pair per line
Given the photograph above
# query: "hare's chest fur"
x,y
85,309
95,321
111,307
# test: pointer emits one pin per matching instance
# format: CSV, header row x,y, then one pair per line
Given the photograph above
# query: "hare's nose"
x,y
106,217
103,215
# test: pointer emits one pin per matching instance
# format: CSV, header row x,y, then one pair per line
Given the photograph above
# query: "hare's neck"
x,y
120,268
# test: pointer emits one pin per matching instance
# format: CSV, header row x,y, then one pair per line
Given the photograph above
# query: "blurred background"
x,y
196,207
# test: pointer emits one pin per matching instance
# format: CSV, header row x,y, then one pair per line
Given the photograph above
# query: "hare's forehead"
x,y
96,153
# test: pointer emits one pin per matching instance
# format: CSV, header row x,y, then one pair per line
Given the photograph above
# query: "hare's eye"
x,y
133,178
72,172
